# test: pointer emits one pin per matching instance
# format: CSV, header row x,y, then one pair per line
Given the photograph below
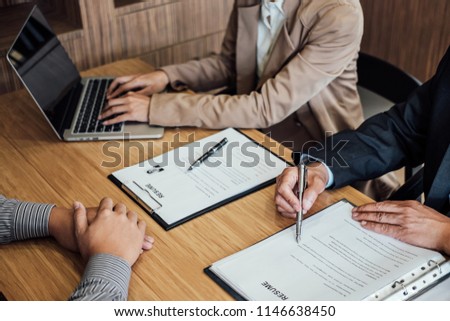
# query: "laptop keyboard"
x,y
91,108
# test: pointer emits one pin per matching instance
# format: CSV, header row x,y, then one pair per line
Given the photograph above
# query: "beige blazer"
x,y
311,71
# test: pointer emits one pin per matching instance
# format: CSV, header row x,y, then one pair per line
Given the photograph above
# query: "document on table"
x,y
173,194
336,259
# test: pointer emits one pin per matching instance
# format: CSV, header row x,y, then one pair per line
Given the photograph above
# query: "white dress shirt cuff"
x,y
330,181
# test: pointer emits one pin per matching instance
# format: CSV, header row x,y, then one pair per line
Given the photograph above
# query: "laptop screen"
x,y
44,67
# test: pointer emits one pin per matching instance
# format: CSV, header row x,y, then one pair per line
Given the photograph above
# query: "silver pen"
x,y
302,183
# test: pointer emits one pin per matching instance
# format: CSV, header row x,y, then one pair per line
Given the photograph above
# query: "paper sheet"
x,y
173,192
335,260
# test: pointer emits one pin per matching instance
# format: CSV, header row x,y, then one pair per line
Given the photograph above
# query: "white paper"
x,y
335,260
175,193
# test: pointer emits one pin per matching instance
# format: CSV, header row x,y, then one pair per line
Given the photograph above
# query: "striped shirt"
x,y
106,276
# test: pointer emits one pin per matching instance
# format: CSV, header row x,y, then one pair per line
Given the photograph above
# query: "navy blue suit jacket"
x,y
411,133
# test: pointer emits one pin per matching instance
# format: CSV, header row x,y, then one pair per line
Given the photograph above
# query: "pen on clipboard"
x,y
302,183
211,151
155,169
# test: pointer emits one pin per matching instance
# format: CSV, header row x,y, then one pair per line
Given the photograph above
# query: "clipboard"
x,y
239,276
229,289
149,192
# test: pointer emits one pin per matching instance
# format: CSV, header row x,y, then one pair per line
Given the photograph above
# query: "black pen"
x,y
155,169
210,152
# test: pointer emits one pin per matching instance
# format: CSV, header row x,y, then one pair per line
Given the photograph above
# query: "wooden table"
x,y
36,166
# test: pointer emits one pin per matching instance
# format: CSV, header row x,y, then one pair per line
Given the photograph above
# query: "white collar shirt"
x,y
269,26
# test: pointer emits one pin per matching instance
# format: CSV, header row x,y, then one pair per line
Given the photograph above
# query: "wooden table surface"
x,y
36,166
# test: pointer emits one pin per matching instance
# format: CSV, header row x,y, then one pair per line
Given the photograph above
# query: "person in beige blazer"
x,y
307,84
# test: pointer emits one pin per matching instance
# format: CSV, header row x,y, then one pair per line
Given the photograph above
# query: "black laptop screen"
x,y
44,67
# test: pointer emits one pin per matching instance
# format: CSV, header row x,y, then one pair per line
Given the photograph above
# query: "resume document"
x,y
336,259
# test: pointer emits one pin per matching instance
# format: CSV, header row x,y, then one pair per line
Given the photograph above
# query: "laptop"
x,y
70,104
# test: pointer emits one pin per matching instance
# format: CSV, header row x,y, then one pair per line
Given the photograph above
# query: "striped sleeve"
x,y
22,220
106,278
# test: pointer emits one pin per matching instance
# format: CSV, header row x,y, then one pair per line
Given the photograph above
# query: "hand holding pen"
x,y
211,151
287,198
302,184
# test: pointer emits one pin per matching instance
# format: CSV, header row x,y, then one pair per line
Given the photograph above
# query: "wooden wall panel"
x,y
411,34
101,31
129,6
145,31
194,49
205,17
70,9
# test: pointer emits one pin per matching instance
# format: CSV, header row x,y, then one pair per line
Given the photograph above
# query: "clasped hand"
x,y
107,229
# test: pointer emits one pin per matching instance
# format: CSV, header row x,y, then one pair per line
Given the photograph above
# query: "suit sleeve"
x,y
383,143
333,43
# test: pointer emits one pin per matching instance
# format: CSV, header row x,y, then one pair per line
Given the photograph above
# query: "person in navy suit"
x,y
411,133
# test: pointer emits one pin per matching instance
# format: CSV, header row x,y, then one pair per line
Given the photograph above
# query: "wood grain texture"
x,y
193,49
36,166
411,34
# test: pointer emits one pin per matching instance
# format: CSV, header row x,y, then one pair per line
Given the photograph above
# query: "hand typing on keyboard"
x,y
135,103
130,107
145,84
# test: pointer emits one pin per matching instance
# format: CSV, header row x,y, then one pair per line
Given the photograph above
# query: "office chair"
x,y
385,79
381,85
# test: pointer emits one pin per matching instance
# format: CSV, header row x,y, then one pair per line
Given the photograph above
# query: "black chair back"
x,y
384,78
